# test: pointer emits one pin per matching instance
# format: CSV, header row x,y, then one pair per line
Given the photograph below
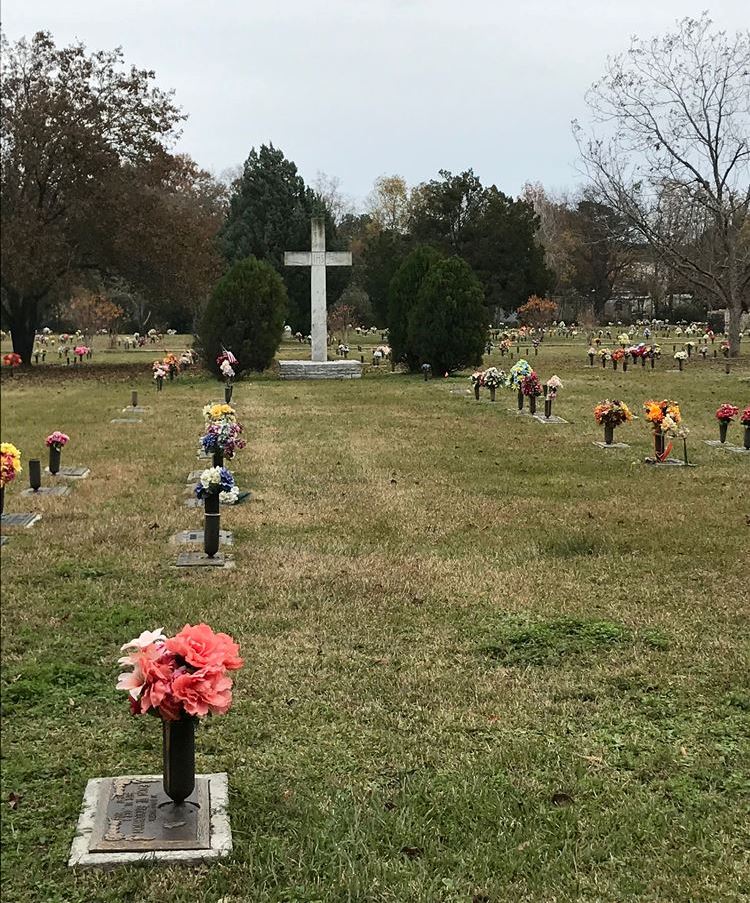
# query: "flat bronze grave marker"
x,y
72,473
611,445
715,443
553,419
26,519
124,420
47,490
135,410
188,537
134,815
201,560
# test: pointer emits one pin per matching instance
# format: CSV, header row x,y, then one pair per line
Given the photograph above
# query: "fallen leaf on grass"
x,y
412,852
14,799
561,799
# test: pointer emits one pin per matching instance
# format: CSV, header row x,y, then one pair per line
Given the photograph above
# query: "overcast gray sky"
x,y
361,88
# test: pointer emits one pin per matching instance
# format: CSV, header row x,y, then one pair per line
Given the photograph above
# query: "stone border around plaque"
x,y
738,449
137,410
201,560
47,490
611,445
24,519
124,420
195,537
194,475
95,845
553,419
193,503
71,473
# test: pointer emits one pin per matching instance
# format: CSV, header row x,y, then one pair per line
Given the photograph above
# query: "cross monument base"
x,y
320,369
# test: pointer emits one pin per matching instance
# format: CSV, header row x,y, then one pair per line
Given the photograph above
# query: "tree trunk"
x,y
22,320
733,329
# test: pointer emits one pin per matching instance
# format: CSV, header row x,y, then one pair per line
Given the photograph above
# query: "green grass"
x,y
485,661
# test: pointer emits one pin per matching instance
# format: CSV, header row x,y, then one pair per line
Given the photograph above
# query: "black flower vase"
x,y
2,499
653,360
609,433
532,404
679,365
604,362
159,383
211,524
746,440
228,389
218,458
723,427
520,400
35,473
492,393
591,360
476,391
54,459
624,365
614,364
548,408
643,360
178,753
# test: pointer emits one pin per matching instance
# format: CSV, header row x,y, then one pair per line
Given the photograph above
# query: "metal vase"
x,y
547,408
211,524
178,753
609,433
476,391
532,404
723,427
228,389
35,473
591,360
134,399
659,443
218,458
54,459
2,499
520,400
746,440
492,393
159,383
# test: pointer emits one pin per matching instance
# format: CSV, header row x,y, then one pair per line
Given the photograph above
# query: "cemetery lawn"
x,y
485,660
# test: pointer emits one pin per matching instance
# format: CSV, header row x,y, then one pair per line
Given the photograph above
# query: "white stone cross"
x,y
317,258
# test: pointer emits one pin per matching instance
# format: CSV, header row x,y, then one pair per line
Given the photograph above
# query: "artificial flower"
x,y
727,412
57,440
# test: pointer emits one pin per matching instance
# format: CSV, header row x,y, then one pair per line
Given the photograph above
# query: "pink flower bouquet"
x,y
184,676
727,412
57,439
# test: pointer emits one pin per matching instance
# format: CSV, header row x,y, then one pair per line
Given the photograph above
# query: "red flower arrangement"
x,y
727,412
12,359
182,676
745,416
530,385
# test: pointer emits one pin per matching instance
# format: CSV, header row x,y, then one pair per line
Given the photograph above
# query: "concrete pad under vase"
x,y
201,560
71,473
611,445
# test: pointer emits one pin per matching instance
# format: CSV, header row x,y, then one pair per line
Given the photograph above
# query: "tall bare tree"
x,y
673,155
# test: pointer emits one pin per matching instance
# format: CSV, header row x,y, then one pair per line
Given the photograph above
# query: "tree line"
x,y
96,204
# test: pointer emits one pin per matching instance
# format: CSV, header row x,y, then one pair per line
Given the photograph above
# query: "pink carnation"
x,y
202,648
203,692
